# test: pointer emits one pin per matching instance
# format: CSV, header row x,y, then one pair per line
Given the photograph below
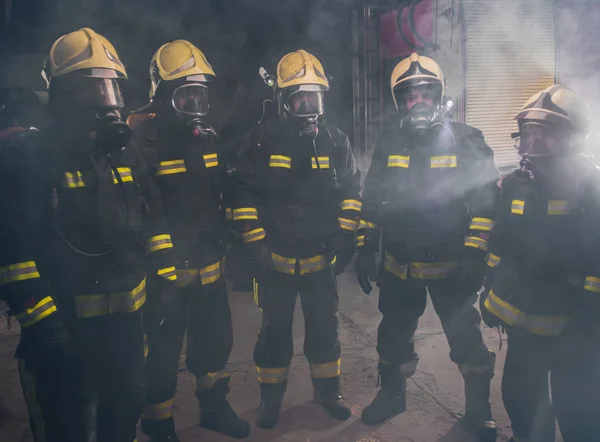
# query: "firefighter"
x,y
431,187
182,152
80,212
544,278
297,206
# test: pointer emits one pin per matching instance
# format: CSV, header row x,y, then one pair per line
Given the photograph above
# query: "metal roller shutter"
x,y
510,50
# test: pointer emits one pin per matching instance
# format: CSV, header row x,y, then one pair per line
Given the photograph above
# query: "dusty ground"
x,y
435,396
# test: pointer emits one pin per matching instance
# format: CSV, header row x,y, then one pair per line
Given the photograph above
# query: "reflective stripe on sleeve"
x,y
592,284
159,412
18,272
363,224
478,243
348,224
160,242
168,273
171,167
325,371
351,205
211,160
213,272
272,375
485,224
360,241
228,213
492,260
254,235
36,313
245,213
323,163
280,161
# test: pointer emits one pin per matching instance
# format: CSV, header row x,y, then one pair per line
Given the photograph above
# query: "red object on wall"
x,y
407,31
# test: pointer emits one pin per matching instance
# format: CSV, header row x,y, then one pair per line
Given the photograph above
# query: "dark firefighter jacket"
x,y
191,175
431,198
75,231
545,251
295,195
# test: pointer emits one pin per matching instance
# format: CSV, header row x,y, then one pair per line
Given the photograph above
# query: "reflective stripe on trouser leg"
x,y
29,385
325,371
208,381
272,375
408,369
160,411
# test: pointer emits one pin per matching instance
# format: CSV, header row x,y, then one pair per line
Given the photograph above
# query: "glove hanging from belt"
x,y
366,261
471,271
345,247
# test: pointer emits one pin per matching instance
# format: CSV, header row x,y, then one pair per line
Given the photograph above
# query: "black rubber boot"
x,y
216,413
160,430
328,394
478,414
391,397
271,396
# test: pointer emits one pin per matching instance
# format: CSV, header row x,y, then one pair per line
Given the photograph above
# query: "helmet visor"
x,y
305,102
88,92
191,99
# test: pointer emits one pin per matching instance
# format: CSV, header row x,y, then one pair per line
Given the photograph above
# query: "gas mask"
x,y
302,107
419,107
187,106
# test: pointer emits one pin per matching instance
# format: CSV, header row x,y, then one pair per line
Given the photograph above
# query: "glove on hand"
x,y
470,272
259,259
345,245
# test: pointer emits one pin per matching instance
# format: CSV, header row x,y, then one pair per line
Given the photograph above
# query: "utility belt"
x,y
543,325
418,270
302,266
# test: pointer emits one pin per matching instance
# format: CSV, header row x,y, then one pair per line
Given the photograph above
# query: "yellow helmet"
x,y
179,59
416,70
85,53
300,68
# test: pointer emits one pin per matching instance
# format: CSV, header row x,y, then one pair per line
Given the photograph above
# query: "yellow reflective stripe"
x,y
485,224
280,161
398,161
558,207
395,267
158,412
169,273
213,272
325,371
207,381
124,173
29,386
592,284
171,167
211,160
492,260
272,375
432,270
36,313
360,240
351,205
314,264
87,306
478,243
363,224
517,207
437,162
18,272
536,324
254,235
323,163
283,264
160,242
348,224
228,213
245,213
74,179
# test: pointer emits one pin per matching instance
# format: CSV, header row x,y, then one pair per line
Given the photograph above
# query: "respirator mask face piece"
x,y
303,106
191,99
541,139
419,106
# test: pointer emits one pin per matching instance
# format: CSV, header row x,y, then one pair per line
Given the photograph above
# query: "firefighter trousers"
x,y
402,302
203,311
575,383
274,348
104,404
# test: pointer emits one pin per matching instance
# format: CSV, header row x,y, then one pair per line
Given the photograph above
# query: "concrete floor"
x,y
435,395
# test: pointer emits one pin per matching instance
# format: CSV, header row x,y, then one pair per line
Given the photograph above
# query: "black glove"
x,y
345,244
366,271
470,272
259,260
488,318
49,349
